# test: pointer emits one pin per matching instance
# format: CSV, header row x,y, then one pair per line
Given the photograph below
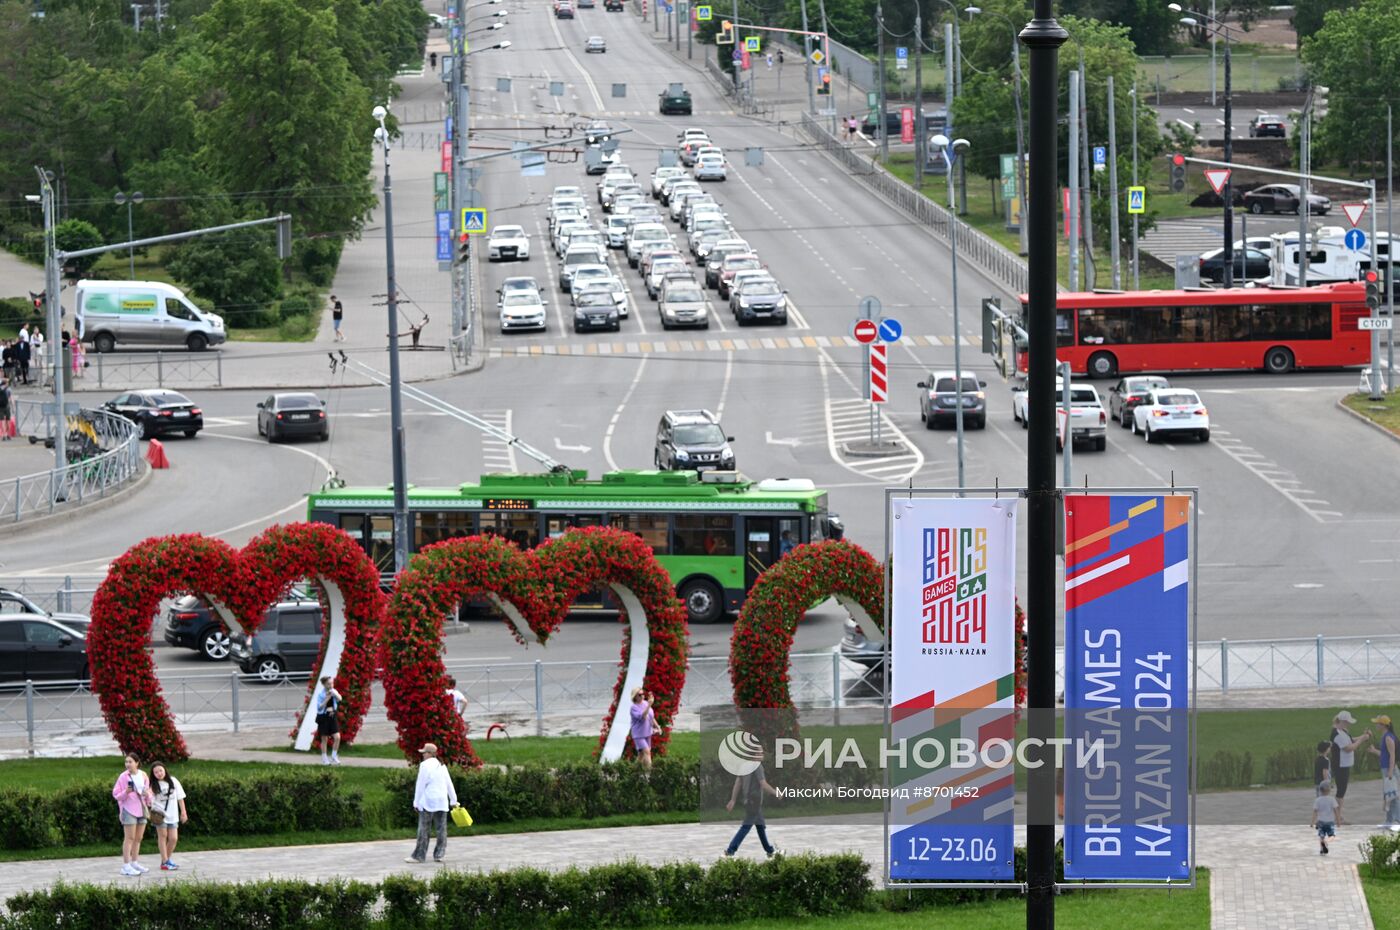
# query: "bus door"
x,y
766,540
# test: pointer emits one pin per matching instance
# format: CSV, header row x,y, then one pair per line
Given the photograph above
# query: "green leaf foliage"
x,y
1356,55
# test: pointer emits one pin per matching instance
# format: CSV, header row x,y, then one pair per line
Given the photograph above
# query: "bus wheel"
x,y
1278,361
1102,365
703,601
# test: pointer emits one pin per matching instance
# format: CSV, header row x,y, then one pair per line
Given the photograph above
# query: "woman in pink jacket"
x,y
133,794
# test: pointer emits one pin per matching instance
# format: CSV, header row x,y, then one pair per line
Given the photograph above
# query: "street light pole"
x,y
880,120
1043,36
120,199
1113,236
920,146
1137,285
950,151
401,526
1228,255
1073,177
1228,193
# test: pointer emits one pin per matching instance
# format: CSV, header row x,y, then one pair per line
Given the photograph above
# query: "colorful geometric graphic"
x,y
1127,568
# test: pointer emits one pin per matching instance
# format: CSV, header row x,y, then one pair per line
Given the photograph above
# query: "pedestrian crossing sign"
x,y
704,14
473,220
753,43
1137,200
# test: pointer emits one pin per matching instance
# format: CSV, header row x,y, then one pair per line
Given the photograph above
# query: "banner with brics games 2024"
x,y
1127,580
952,689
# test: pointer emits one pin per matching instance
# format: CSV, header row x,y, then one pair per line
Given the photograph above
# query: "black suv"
x,y
288,641
191,624
692,440
675,100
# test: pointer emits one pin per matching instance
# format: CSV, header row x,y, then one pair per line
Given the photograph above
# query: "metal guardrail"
x,y
991,256
167,369
72,594
111,447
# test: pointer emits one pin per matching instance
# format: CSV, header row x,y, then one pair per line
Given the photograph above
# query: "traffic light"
x,y
464,250
1373,288
726,33
825,86
1178,173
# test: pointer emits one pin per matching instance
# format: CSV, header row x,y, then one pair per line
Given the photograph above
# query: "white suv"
x,y
640,235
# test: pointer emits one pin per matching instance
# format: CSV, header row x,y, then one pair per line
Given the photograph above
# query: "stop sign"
x,y
865,331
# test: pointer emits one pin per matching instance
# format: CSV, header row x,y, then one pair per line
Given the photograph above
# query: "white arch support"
x,y
330,664
640,651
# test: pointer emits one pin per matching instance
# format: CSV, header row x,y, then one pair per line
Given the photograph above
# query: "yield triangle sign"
x,y
1217,178
1354,212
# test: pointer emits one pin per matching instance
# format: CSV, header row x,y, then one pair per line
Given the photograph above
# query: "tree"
x,y
73,236
1356,54
1308,15
238,271
1150,24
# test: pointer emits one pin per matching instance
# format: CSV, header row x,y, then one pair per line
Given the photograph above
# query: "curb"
x,y
99,504
1393,437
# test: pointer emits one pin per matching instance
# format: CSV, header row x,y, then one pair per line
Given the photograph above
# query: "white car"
x,y
521,309
1172,410
1089,419
710,167
640,235
596,44
659,176
508,244
616,231
570,199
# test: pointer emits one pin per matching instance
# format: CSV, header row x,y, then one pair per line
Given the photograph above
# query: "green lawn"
x,y
1254,72
1384,413
1383,897
521,750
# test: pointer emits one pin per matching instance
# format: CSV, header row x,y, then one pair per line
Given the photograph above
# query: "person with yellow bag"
x,y
433,796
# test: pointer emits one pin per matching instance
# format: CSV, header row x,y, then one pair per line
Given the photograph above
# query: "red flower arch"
x,y
239,585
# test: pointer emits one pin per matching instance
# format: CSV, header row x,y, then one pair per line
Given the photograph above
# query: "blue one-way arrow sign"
x,y
1355,240
890,330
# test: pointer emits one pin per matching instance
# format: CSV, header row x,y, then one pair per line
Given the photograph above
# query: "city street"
x,y
1296,537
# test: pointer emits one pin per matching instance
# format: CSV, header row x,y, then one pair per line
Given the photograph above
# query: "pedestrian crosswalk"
x,y
497,454
690,346
1168,240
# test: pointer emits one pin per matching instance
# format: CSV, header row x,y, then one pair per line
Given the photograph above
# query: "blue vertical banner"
x,y
444,235
1127,642
952,690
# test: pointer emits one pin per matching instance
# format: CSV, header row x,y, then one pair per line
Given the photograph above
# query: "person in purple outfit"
x,y
643,725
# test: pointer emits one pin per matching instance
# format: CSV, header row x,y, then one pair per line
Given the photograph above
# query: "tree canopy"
x,y
1356,55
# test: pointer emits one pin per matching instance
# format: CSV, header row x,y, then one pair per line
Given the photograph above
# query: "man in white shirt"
x,y
433,797
459,700
36,348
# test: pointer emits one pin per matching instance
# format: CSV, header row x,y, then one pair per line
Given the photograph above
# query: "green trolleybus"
x,y
714,534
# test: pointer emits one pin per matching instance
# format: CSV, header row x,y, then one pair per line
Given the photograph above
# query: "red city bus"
x,y
1274,329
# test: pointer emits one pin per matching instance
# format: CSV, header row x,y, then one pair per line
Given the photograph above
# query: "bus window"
x,y
437,525
520,527
789,535
354,525
704,534
653,528
1064,327
381,541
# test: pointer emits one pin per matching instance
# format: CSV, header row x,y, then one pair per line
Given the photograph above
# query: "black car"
x,y
693,440
612,6
675,100
282,416
190,623
13,602
288,641
1248,263
34,647
158,412
1128,393
596,310
1267,125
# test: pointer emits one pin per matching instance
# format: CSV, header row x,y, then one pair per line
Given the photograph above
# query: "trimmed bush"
x,y
24,821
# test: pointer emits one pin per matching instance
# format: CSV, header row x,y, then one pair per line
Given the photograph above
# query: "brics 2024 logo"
x,y
955,586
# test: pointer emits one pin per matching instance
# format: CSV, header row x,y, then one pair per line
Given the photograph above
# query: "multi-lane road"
x,y
1299,530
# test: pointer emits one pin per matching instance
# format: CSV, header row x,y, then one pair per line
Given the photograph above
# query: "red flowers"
x,y
243,582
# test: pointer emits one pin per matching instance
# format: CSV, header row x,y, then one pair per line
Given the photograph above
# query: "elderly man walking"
x,y
433,797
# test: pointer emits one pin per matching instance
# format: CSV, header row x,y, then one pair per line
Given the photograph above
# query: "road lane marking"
x,y
617,414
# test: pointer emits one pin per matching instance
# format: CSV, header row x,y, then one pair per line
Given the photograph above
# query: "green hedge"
x,y
267,802
621,894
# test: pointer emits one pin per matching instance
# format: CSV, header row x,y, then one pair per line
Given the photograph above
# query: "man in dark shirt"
x,y
1322,764
751,788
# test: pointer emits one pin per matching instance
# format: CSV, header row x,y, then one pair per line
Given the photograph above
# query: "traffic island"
x,y
1383,414
869,449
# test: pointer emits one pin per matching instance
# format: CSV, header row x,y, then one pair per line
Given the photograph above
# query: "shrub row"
x,y
622,894
266,802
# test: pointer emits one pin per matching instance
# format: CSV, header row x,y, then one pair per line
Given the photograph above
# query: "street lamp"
x,y
496,15
485,29
1020,131
950,151
129,199
952,92
487,48
1198,19
381,135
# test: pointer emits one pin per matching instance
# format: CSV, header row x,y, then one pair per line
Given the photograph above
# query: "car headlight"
x,y
682,455
743,301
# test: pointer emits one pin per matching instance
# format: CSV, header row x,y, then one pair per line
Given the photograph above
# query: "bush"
x,y
24,821
318,258
294,305
1381,851
239,273
1227,770
295,329
15,311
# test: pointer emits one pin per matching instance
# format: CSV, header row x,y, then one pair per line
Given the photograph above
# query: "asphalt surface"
x,y
1299,532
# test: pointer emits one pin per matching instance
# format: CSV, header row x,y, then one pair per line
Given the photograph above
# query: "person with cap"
x,y
1390,784
1343,756
433,797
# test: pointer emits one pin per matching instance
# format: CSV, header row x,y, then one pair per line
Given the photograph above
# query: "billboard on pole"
x,y
952,687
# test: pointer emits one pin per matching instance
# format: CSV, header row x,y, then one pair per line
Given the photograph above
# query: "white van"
x,y
143,313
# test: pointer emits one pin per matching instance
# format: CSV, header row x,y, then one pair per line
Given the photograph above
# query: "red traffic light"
x,y
1371,277
1178,159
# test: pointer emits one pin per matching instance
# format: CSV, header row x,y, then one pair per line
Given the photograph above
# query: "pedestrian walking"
x,y
9,356
1343,757
75,349
167,813
459,700
133,795
433,797
337,314
327,720
751,788
1327,811
769,59
36,346
1390,784
780,58
7,423
1322,765
643,726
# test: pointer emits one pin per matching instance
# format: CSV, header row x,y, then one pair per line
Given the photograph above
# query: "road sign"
x,y
704,14
865,331
1354,212
1100,157
870,307
901,58
473,220
906,125
441,195
1373,322
753,43
1217,178
738,56
1355,240
818,56
1137,200
879,373
890,330
444,235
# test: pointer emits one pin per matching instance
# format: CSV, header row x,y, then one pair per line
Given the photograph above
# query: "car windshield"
x,y
701,434
948,385
1148,384
1083,396
1180,399
509,232
760,289
519,284
684,293
167,398
520,299
741,264
297,401
663,265
595,299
